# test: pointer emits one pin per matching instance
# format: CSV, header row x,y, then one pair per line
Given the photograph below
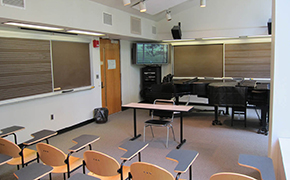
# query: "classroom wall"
x,y
82,14
71,108
222,18
68,109
279,116
76,107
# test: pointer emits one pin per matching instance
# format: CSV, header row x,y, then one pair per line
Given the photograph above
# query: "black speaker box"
x,y
269,28
176,32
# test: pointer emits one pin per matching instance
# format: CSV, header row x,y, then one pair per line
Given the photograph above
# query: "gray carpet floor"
x,y
218,146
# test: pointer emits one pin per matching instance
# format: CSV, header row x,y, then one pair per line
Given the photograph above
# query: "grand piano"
x,y
220,93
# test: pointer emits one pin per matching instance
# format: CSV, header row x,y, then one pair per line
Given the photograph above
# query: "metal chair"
x,y
161,122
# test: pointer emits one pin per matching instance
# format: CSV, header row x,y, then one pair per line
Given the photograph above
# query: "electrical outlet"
x,y
51,117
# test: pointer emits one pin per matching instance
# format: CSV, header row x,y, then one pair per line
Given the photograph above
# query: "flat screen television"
x,y
150,53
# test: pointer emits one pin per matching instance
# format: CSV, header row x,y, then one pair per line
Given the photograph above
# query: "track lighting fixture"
x,y
202,3
168,15
142,6
126,2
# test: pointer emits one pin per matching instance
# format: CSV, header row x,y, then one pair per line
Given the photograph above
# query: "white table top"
x,y
285,149
180,108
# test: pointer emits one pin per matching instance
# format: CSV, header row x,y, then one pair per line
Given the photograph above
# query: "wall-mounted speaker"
x,y
269,26
176,31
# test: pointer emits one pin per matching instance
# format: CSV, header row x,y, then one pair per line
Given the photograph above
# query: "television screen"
x,y
150,53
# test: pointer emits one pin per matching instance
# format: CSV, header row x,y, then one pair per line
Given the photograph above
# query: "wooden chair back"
x,y
145,171
230,176
9,148
50,155
100,163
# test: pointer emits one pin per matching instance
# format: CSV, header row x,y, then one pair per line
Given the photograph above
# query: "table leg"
x,y
190,173
135,127
182,141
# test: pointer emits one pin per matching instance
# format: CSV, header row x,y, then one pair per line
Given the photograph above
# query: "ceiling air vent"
x,y
153,30
107,19
135,25
14,3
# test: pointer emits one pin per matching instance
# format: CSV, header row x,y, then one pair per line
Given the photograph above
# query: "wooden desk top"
x,y
4,158
180,108
39,136
82,141
33,171
262,164
132,148
185,158
10,130
80,176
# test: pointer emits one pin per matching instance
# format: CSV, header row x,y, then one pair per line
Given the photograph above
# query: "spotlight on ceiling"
x,y
202,3
168,15
126,2
142,6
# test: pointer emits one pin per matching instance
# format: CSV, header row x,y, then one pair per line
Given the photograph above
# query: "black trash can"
x,y
101,115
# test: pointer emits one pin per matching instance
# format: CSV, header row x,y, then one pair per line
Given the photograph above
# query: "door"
x,y
111,75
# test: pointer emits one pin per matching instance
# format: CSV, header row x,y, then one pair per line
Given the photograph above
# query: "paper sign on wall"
x,y
112,64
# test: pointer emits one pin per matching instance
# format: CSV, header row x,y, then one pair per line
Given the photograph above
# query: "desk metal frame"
x,y
174,108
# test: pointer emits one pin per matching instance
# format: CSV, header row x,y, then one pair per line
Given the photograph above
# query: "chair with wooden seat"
x,y
57,159
230,176
20,156
162,120
104,166
145,171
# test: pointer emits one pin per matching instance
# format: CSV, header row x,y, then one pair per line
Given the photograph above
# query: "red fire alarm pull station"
x,y
96,43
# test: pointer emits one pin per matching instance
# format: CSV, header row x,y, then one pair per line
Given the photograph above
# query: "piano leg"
x,y
216,112
264,128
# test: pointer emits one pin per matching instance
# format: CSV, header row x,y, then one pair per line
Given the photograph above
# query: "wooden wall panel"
x,y
198,60
25,67
249,60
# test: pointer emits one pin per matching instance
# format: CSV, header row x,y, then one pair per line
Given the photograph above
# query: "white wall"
x,y
130,75
82,14
279,117
219,18
222,18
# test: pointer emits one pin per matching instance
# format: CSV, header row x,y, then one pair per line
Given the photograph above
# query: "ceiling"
x,y
155,8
